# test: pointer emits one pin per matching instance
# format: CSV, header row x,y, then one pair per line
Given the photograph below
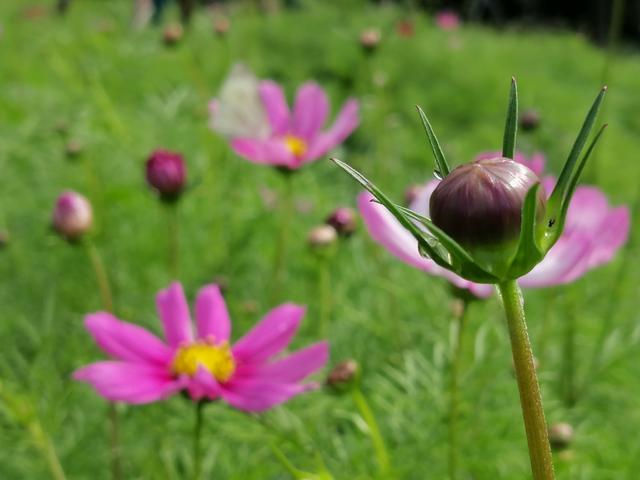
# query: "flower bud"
x,y
479,205
370,39
529,120
221,26
405,28
72,215
73,149
166,173
343,219
5,238
560,435
322,236
343,375
172,34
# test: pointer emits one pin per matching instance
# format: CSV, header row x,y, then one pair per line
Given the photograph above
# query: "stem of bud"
x,y
530,398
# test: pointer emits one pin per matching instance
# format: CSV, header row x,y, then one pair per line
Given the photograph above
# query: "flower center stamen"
x,y
216,358
296,145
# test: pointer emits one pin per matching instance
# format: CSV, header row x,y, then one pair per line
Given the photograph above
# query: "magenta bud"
x,y
343,219
560,435
166,173
322,236
72,215
479,205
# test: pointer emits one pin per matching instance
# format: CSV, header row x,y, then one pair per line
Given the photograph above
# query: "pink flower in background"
x,y
247,375
283,138
592,235
447,20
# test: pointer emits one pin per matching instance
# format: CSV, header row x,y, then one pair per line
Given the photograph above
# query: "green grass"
x,y
122,93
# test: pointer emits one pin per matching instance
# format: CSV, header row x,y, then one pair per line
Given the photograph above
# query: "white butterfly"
x,y
238,111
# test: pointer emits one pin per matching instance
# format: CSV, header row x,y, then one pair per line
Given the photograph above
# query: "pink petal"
x,y
203,385
212,317
613,235
275,105
421,203
271,335
297,366
587,210
126,341
267,152
129,382
387,231
174,313
257,396
310,111
345,123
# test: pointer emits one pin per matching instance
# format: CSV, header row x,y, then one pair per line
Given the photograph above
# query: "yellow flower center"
x,y
296,145
216,358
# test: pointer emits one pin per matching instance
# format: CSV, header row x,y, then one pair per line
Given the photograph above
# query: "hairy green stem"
x,y
530,398
112,414
454,395
324,291
287,208
197,443
381,453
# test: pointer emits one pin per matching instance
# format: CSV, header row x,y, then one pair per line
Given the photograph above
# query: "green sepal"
x,y
511,123
419,235
529,253
442,167
562,192
555,222
462,262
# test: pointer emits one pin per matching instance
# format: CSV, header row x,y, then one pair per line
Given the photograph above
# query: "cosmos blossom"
x,y
593,233
447,20
254,115
248,375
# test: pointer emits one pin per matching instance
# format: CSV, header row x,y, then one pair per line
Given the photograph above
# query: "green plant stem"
x,y
454,395
112,414
568,370
197,440
530,398
44,444
173,240
324,291
381,453
287,208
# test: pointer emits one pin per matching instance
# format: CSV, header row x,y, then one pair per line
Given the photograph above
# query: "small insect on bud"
x,y
343,375
479,205
72,216
322,236
529,120
370,39
560,435
172,34
166,173
343,219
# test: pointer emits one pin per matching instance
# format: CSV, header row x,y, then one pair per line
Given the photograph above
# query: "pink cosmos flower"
x,y
247,375
293,138
447,20
592,235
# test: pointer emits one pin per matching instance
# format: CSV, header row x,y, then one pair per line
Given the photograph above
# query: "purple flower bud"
x,y
370,39
343,219
322,236
479,204
529,120
166,173
72,215
560,435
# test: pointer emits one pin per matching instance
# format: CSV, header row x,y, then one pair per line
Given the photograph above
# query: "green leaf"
x,y
557,198
528,253
463,263
555,221
511,124
442,167
418,234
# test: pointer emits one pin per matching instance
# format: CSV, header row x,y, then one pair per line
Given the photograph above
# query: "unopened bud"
x,y
479,205
172,34
72,215
529,120
343,219
370,39
4,239
343,375
166,173
560,435
405,28
221,26
73,148
322,236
